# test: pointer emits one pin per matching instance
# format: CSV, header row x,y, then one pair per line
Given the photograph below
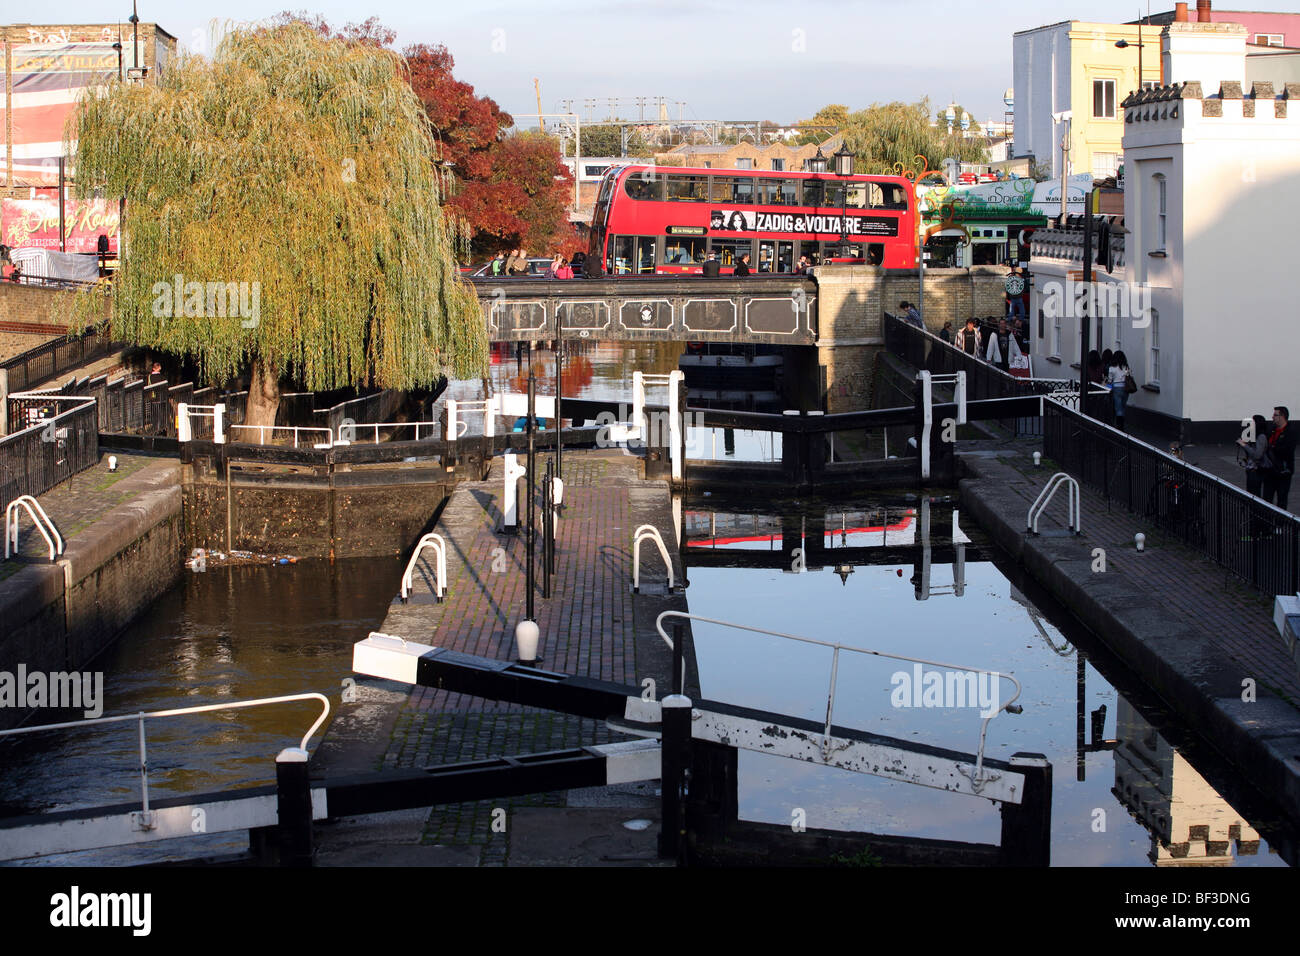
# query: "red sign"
x,y
28,223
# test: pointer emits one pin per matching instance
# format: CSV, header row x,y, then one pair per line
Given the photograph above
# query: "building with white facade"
x,y
1203,297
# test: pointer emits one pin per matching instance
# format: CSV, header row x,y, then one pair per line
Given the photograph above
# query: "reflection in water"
x,y
855,589
1190,824
227,634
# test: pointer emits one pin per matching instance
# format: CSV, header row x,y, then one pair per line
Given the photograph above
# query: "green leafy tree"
x,y
302,165
897,136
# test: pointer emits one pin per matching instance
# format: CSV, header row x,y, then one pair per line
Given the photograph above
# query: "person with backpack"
x,y
1254,455
1118,377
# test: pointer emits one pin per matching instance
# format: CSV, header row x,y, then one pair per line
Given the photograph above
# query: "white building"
x,y
1203,298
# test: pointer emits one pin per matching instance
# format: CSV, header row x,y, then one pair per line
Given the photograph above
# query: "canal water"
x,y
230,633
1113,793
1128,796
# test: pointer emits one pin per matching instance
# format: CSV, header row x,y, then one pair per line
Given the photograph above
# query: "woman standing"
x,y
1254,452
1117,377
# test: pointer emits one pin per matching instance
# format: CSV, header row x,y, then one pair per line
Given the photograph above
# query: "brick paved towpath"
x,y
592,626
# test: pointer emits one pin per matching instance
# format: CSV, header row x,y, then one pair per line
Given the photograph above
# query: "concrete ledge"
x,y
95,546
1196,680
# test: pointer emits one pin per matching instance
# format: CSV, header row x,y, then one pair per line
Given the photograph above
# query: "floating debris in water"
x,y
200,556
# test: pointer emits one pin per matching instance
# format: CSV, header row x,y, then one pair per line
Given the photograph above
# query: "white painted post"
x,y
510,506
219,424
490,409
927,420
451,419
183,433
638,400
960,397
923,586
675,377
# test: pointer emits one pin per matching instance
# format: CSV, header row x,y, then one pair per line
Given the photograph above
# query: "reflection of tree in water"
x,y
578,374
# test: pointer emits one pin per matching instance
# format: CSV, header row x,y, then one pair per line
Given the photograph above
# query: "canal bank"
x,y
592,626
1201,641
124,537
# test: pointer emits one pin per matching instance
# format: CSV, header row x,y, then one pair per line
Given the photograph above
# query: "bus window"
x,y
644,185
688,188
679,251
785,257
620,256
766,256
730,250
645,255
771,193
813,192
886,196
857,196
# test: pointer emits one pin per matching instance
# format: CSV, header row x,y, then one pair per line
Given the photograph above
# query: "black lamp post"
x,y
1124,45
843,169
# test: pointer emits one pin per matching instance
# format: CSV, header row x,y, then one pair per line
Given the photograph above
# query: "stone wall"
x,y
852,300
58,617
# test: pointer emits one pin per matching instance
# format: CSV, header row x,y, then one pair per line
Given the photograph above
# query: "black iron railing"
x,y
1252,539
38,365
35,459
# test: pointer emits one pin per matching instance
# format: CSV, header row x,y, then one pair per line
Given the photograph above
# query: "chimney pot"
x,y
1180,12
1203,11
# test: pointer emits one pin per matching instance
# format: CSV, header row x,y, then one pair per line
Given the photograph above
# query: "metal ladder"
x,y
39,518
1045,496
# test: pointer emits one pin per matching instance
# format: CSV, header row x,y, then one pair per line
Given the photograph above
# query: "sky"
x,y
762,59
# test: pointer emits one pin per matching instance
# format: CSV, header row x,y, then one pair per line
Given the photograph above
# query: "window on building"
x,y
1162,210
1105,164
1153,350
1055,343
778,165
1150,84
1103,99
1268,39
745,163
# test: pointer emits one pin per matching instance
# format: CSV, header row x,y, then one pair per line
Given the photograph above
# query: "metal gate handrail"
x,y
643,532
261,431
977,779
439,545
1045,498
146,821
39,518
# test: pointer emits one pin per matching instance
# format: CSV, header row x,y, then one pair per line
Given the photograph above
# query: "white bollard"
x,y
183,433
1140,540
526,637
112,463
510,504
1038,459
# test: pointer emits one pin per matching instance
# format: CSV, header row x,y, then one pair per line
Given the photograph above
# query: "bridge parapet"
x,y
775,310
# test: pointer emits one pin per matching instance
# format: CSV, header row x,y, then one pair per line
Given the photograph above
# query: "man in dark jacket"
x,y
1281,459
742,267
711,266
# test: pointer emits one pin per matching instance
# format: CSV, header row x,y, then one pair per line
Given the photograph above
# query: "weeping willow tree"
x,y
293,173
885,137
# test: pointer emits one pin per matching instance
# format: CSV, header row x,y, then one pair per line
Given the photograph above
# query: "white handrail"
x,y
643,532
1045,496
39,518
977,779
439,546
350,430
145,821
261,431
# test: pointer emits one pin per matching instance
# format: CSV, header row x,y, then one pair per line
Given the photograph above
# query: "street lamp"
x,y
1124,45
818,163
844,168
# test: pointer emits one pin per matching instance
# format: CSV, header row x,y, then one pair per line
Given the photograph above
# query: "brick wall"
x,y
31,315
851,302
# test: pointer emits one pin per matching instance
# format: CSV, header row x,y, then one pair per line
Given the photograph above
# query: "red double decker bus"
x,y
658,220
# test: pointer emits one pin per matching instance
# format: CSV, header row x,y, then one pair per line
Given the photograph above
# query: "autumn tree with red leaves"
x,y
511,189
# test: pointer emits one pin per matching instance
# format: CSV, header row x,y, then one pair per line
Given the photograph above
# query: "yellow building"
x,y
1070,77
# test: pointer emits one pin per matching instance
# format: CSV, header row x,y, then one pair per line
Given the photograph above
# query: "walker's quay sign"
x,y
747,220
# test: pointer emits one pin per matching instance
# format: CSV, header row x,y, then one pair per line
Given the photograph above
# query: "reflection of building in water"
x,y
1190,823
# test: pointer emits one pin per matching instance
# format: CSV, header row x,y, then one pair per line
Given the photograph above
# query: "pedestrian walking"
x,y
1119,378
945,333
742,267
712,266
968,339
